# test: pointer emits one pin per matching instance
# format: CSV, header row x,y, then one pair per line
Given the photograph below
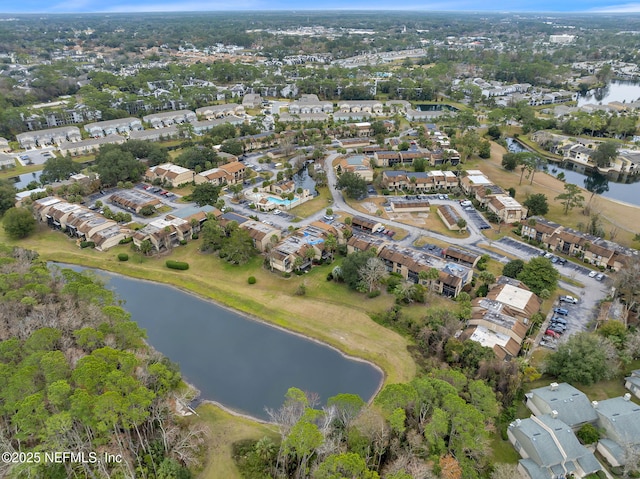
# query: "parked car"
x,y
562,260
558,319
557,328
561,311
568,299
552,333
599,277
548,342
592,274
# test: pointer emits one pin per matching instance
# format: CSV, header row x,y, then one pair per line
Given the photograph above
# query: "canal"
x,y
627,192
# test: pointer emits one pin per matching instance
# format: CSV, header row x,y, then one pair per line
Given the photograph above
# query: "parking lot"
x,y
477,219
526,251
35,157
578,319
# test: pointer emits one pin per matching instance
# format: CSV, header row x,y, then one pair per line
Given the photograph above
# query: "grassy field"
x,y
319,203
227,429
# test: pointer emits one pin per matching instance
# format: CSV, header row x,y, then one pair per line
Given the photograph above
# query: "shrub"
x,y
183,242
373,294
287,275
126,240
87,244
588,434
301,291
195,236
123,257
181,265
251,280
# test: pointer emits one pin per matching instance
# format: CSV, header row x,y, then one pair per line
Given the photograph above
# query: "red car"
x,y
551,333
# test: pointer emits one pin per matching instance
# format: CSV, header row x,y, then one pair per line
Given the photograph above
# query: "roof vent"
x,y
594,404
518,421
553,386
627,397
554,414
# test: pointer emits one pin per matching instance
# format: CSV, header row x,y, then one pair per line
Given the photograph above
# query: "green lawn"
x,y
225,430
319,203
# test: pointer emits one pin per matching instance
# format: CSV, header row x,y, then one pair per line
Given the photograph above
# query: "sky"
x,y
89,6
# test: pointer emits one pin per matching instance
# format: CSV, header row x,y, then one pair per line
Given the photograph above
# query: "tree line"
x,y
76,375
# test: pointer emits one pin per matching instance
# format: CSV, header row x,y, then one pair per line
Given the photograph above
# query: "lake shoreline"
x,y
248,316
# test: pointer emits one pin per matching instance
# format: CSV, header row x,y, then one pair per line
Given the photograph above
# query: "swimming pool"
x,y
279,201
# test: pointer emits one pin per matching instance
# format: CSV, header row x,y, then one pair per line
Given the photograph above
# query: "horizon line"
x,y
351,9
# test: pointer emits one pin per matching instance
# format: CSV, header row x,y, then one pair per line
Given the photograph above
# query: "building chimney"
x,y
627,397
554,414
553,386
594,404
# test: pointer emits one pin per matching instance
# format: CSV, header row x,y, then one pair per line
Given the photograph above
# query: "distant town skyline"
x,y
95,6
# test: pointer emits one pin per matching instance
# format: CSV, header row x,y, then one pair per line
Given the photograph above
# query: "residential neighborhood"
x,y
319,244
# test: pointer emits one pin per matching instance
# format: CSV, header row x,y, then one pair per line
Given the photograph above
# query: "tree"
x,y
233,147
537,204
605,153
205,194
461,223
7,196
372,272
351,267
494,132
627,282
596,184
238,247
512,268
538,274
194,157
347,407
585,358
19,223
346,465
510,161
113,164
58,169
571,198
354,185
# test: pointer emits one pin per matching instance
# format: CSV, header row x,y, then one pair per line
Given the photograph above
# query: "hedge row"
x,y
177,264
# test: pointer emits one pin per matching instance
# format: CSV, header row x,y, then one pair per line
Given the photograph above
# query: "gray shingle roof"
x,y
572,405
624,416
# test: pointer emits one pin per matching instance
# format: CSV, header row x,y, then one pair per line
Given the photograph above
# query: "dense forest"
x,y
76,375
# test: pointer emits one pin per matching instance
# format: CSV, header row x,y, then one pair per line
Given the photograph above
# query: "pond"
x,y
621,191
622,91
302,179
243,364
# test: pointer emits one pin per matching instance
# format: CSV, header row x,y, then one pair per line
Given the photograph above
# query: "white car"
x,y
276,212
592,274
568,299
